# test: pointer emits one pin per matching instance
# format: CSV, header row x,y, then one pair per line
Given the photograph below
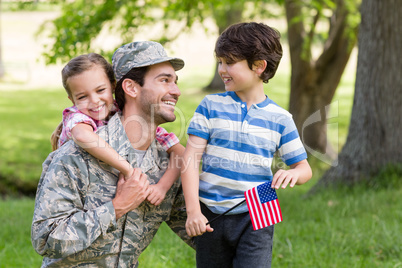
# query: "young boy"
x,y
237,134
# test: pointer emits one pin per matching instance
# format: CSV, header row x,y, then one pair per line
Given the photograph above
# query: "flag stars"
x,y
266,193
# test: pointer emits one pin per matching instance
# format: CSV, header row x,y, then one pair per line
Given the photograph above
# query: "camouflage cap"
x,y
140,54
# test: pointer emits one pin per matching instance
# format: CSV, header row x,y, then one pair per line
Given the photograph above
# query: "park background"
x,y
356,226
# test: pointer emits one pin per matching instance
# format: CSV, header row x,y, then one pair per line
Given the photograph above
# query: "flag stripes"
x,y
263,206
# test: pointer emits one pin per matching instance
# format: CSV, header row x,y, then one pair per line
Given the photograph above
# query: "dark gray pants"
x,y
234,243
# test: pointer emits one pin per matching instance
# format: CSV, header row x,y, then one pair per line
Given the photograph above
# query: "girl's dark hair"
x,y
251,41
135,74
83,63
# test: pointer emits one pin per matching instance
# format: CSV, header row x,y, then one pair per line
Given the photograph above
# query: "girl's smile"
x,y
92,93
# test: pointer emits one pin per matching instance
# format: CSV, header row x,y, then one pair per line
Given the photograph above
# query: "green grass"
x,y
28,118
167,250
15,234
344,228
357,227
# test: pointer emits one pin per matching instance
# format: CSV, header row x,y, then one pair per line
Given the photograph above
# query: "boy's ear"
x,y
259,66
130,87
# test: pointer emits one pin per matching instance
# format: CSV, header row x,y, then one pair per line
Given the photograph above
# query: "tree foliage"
x,y
82,21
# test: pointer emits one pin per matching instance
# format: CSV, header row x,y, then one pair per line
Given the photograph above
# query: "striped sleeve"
x,y
291,148
200,125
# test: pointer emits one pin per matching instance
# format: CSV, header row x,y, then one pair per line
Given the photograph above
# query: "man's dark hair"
x,y
251,41
135,74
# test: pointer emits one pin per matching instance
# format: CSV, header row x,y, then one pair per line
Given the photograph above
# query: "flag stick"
x,y
230,209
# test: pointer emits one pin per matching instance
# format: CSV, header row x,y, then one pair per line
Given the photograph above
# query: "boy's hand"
x,y
284,177
157,194
196,225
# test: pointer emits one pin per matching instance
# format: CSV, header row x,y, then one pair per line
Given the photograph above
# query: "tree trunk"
x,y
313,83
224,18
311,94
374,138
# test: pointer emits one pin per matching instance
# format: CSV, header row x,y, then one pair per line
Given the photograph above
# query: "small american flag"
x,y
263,206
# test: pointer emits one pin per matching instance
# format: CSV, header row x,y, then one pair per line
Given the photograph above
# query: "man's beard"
x,y
157,116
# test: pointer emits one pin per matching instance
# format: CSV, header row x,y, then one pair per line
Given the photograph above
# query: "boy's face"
x,y
91,92
237,76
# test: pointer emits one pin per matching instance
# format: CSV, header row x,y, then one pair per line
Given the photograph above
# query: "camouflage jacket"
x,y
74,222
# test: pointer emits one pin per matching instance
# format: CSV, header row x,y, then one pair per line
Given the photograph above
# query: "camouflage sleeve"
x,y
61,225
178,217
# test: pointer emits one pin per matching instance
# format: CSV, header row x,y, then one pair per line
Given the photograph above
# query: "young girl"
x,y
89,82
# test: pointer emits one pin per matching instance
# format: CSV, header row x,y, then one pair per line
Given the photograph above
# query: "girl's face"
x,y
92,93
237,76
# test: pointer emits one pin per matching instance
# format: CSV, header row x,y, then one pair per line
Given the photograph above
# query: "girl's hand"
x,y
157,194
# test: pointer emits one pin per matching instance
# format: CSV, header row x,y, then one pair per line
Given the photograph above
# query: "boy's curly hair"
x,y
251,41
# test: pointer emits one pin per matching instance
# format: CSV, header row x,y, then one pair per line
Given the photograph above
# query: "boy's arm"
x,y
196,222
84,136
172,173
299,173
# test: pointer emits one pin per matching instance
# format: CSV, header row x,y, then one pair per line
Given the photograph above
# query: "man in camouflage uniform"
x,y
86,216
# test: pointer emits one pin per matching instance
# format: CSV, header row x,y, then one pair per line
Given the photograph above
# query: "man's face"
x,y
159,95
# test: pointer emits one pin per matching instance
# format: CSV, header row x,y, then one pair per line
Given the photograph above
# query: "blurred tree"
x,y
328,26
82,21
224,15
374,139
330,29
2,70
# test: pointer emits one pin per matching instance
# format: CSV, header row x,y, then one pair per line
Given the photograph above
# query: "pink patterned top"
x,y
72,116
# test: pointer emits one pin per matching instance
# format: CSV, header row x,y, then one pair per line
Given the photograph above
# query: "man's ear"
x,y
259,66
130,87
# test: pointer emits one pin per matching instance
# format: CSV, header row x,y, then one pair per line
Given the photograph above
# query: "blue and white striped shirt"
x,y
240,148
